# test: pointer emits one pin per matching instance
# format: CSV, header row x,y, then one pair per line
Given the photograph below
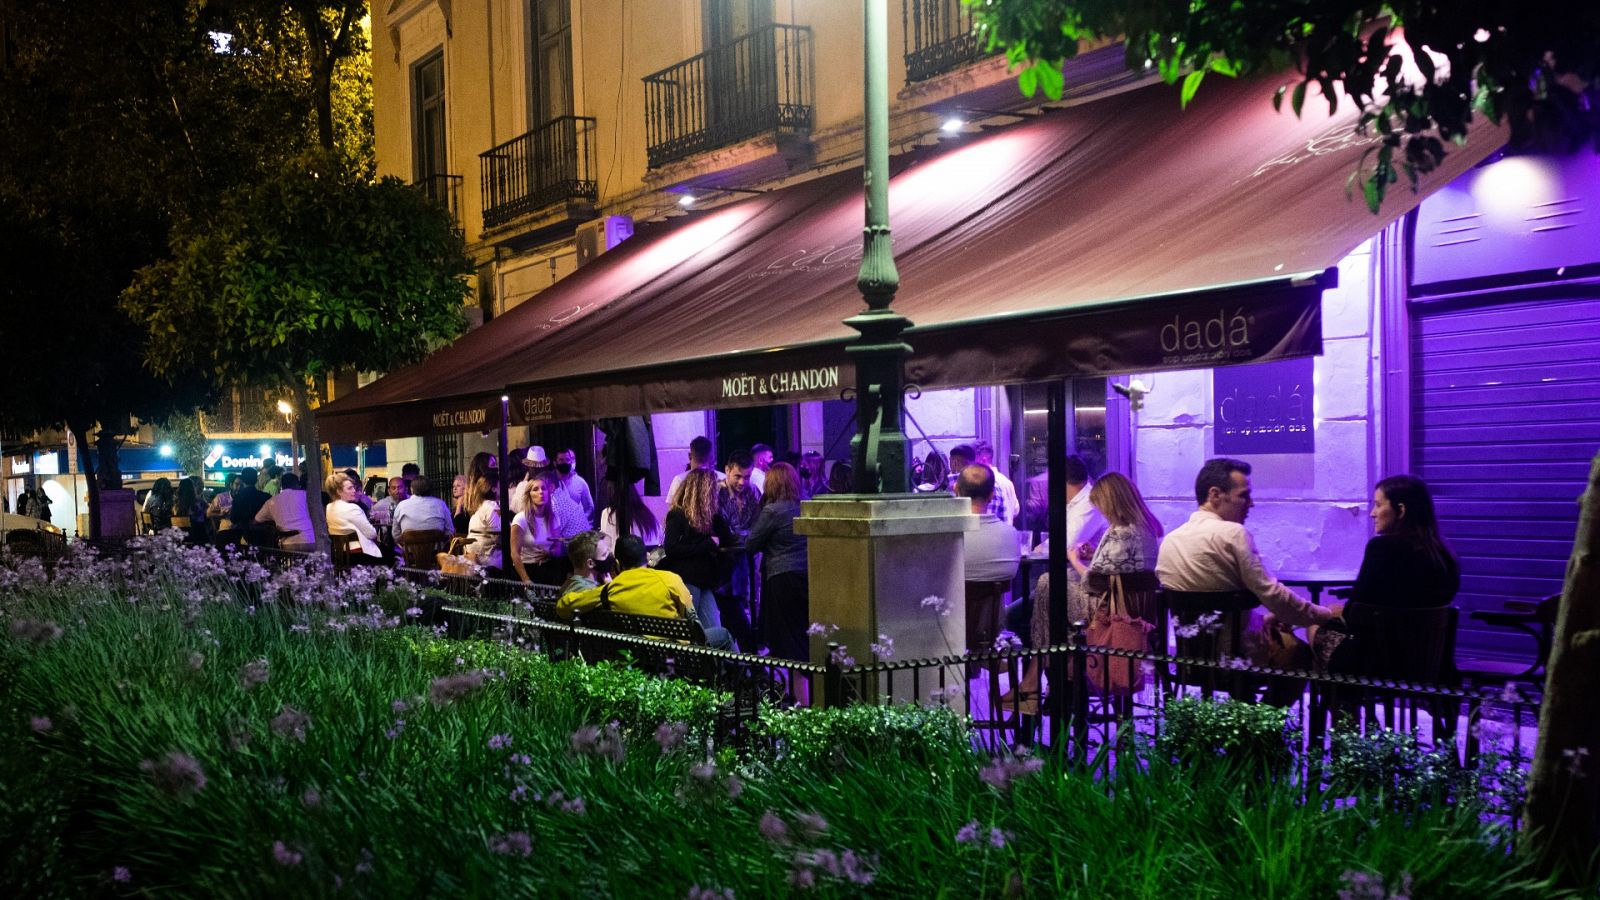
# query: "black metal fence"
x,y
758,83
940,38
552,164
444,190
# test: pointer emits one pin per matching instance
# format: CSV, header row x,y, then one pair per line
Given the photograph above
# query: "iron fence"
x,y
552,164
758,83
940,37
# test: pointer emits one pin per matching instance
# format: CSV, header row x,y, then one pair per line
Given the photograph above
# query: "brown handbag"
x,y
1112,627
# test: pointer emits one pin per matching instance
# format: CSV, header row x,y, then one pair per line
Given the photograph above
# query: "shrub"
x,y
1246,736
916,734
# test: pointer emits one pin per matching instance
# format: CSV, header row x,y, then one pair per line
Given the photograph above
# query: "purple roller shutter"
x,y
1506,419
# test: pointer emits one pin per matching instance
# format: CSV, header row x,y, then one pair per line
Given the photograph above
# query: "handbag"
x,y
1113,628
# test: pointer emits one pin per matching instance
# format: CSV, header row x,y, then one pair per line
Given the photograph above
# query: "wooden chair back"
x,y
345,546
421,549
1413,645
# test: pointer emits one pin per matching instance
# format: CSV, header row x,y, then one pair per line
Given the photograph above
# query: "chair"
x,y
985,601
421,548
1537,620
345,546
1411,645
1184,609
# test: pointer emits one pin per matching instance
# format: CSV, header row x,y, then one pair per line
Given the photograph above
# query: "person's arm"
x,y
517,537
1284,604
397,523
766,525
576,602
586,500
264,514
356,519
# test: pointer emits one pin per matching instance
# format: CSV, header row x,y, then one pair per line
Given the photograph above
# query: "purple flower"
x,y
840,658
735,787
1367,886
177,774
1002,773
803,878
516,843
592,741
812,824
453,687
290,722
414,611
855,868
696,892
197,661
968,833
499,742
253,673
300,629
936,604
522,759
670,735
121,874
703,771
997,838
772,828
519,793
311,798
819,629
883,647
1007,641
283,856
399,705
396,729
41,724
574,806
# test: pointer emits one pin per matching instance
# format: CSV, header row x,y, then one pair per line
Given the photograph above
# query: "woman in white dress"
x,y
346,517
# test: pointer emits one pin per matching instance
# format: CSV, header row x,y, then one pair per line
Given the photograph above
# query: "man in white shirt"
x,y
991,555
287,510
1213,551
383,510
699,458
1004,490
761,455
569,482
421,511
1085,524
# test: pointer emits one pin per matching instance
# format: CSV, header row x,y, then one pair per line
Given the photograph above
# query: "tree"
x,y
118,120
1419,70
316,269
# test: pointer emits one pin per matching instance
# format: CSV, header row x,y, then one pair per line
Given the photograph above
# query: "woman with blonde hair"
x,y
460,515
346,517
483,529
537,551
1127,551
694,536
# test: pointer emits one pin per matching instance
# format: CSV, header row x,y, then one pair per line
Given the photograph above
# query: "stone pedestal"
x,y
873,559
117,513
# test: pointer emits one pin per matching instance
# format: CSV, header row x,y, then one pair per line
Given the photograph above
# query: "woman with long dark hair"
x,y
785,593
158,503
1407,563
695,534
641,520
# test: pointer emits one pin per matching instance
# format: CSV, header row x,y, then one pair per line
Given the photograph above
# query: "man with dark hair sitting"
x,y
991,556
640,591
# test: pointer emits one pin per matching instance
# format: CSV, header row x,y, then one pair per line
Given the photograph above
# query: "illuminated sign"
x,y
47,463
20,465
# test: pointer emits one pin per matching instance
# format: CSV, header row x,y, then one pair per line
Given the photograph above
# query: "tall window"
x,y
552,60
728,20
427,118
739,73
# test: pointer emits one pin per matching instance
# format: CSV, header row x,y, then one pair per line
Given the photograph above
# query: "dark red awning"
x,y
1121,235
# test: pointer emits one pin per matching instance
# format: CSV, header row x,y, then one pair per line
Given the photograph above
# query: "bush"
x,y
1244,736
919,735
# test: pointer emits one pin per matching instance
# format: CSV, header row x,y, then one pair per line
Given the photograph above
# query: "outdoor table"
x,y
1316,582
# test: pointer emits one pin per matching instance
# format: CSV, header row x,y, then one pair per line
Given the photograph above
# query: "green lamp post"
x,y
878,450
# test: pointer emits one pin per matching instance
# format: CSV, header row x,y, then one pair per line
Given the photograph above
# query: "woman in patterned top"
x,y
1128,548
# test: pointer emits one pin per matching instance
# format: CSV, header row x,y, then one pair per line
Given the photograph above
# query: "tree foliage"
x,y
1420,71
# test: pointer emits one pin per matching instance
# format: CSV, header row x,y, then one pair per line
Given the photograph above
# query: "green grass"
x,y
420,814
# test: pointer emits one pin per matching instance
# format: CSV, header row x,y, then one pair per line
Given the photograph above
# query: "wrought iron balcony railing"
x,y
444,190
939,38
551,164
758,83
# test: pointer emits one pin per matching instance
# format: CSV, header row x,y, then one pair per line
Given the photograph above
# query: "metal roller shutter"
x,y
1506,418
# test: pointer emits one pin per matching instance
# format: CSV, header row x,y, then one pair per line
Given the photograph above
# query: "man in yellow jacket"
x,y
640,591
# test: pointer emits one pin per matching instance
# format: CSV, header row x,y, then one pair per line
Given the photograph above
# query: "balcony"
x,y
939,38
551,165
757,84
444,190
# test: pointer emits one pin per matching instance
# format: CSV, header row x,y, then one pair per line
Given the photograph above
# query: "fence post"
x,y
1080,693
833,679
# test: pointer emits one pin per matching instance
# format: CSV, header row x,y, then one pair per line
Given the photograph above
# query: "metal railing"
x,y
758,83
444,190
940,38
549,165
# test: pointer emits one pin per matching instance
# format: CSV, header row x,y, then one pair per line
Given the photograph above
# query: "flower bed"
x,y
180,724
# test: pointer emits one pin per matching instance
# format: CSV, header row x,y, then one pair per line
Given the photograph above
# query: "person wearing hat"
x,y
534,461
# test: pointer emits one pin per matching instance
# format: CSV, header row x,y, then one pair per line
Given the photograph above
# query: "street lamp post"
x,y
878,450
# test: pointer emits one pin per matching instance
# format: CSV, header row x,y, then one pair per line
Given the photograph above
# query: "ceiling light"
x,y
953,125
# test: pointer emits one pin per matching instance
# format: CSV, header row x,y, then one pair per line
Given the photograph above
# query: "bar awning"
x,y
1117,236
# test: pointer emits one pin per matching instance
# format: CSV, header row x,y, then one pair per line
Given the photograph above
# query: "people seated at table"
x,y
190,504
642,521
158,505
1213,552
410,471
247,502
589,556
991,556
785,594
1126,554
641,591
1005,492
421,511
935,474
1407,562
222,501
346,517
483,529
693,543
286,511
383,510
537,551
